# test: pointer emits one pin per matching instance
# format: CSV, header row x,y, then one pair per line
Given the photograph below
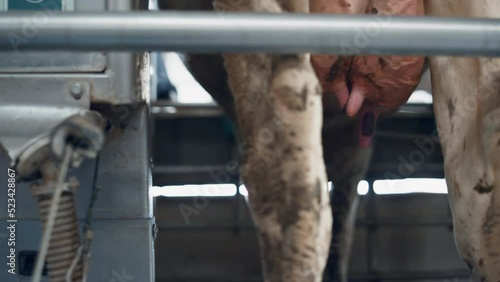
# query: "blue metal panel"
x,y
35,5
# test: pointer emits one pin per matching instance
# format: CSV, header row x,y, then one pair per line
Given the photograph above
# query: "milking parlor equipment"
x,y
73,127
74,96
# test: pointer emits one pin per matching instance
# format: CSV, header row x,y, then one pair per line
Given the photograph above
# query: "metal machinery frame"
x,y
41,94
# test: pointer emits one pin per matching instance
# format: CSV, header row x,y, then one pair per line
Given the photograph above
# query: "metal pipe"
x,y
174,110
228,32
360,224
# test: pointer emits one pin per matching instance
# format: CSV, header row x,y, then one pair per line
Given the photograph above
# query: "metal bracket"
x,y
31,106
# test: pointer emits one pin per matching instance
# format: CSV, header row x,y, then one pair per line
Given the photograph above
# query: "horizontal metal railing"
x,y
241,32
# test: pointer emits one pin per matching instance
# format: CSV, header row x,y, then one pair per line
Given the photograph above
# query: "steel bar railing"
x,y
228,32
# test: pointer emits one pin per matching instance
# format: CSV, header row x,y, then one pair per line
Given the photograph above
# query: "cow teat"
x,y
366,125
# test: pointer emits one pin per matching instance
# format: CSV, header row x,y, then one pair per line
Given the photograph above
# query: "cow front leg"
x,y
279,112
285,173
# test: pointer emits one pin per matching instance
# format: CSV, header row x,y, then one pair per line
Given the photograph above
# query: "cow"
x,y
281,103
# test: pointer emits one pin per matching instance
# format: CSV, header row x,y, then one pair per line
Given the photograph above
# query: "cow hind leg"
x,y
279,112
467,105
348,163
474,186
466,94
476,217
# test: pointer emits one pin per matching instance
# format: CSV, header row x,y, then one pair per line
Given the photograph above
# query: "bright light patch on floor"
x,y
243,190
206,190
380,187
164,110
188,89
420,97
363,187
410,185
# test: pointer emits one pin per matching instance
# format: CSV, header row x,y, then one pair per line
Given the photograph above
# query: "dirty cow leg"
x,y
467,105
279,111
349,164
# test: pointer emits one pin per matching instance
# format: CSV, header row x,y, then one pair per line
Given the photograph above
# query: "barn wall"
x,y
398,238
407,235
